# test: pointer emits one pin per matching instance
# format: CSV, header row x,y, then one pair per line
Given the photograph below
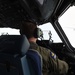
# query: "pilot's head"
x,y
27,28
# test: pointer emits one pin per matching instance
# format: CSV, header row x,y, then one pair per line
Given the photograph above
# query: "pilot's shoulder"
x,y
48,52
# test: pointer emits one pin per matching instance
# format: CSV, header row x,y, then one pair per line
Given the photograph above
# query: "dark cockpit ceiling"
x,y
13,12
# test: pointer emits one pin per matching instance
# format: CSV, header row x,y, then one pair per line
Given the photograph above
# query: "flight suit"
x,y
51,63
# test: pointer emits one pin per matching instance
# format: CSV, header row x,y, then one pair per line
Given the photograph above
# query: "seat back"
x,y
13,55
16,58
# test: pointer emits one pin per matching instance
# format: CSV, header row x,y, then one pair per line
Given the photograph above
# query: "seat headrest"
x,y
14,44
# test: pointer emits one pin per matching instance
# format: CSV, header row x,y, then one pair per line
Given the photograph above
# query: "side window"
x,y
67,22
48,31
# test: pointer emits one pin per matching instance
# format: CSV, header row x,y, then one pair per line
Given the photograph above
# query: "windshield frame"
x,y
62,35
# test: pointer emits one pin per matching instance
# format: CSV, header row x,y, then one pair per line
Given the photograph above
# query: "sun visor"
x,y
39,9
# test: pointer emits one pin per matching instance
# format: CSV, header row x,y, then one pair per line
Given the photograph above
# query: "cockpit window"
x,y
67,22
9,31
49,33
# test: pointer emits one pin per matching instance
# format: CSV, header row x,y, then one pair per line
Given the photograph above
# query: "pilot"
x,y
51,62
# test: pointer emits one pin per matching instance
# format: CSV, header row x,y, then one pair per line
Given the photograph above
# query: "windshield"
x,y
49,32
67,22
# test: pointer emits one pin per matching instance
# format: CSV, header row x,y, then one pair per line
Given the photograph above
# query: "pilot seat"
x,y
16,58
